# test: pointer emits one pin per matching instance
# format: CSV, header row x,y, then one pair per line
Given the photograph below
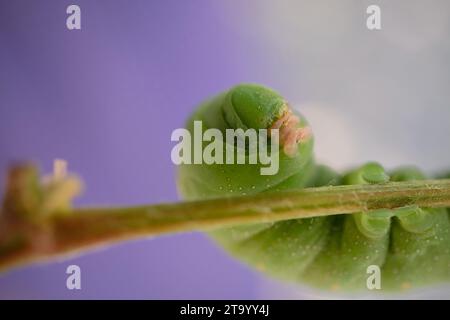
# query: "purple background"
x,y
106,99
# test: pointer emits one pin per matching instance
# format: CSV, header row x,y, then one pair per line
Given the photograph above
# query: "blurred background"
x,y
107,97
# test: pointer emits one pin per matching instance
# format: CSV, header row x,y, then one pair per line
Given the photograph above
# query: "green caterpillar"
x,y
411,246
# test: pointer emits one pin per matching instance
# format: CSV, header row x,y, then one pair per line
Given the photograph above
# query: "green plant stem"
x,y
82,229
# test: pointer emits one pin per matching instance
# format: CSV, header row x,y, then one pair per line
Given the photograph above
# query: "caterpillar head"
x,y
257,107
287,139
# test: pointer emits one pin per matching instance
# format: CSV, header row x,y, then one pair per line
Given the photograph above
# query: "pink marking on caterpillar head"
x,y
289,133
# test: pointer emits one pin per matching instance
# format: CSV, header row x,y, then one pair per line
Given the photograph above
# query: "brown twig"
x,y
32,237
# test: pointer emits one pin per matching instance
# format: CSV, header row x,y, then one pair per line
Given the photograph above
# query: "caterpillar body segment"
x,y
410,246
